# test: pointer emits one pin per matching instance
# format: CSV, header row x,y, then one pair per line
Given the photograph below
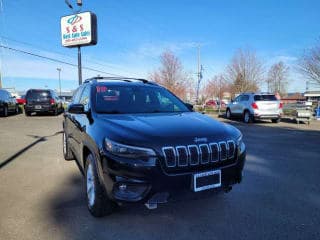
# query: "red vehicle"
x,y
212,103
21,100
215,104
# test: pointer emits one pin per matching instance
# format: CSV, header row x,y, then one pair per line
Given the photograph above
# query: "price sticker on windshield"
x,y
101,89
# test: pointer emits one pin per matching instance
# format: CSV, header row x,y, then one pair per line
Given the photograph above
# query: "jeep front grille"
x,y
197,155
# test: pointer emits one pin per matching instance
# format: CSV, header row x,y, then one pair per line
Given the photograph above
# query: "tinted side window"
x,y
85,96
237,99
244,98
77,94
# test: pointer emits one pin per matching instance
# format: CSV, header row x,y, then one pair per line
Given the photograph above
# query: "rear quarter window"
x,y
265,98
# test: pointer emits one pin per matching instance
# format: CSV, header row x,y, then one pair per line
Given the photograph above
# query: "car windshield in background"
x,y
136,99
38,95
265,98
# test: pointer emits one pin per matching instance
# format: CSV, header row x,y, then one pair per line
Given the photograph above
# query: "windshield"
x,y
38,95
136,99
265,98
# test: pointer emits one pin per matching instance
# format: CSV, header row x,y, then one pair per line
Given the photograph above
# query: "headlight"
x,y
240,143
126,151
239,140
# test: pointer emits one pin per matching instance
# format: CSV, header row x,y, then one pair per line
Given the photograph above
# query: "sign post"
x,y
79,30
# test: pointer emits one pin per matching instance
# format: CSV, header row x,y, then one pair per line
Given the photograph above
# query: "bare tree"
x,y
215,87
309,64
171,75
278,78
245,72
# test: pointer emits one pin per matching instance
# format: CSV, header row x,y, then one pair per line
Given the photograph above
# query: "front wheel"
x,y
5,111
97,201
246,117
67,154
228,114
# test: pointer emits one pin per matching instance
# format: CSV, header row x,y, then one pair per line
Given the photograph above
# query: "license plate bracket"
x,y
206,180
38,107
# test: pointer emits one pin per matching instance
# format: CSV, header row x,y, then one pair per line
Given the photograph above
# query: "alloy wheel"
x,y
90,185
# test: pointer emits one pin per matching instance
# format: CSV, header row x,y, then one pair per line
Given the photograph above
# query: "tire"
x,y
97,201
17,111
55,112
277,120
5,111
28,114
246,117
67,154
228,114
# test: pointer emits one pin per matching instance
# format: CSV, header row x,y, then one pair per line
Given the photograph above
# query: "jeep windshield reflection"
x,y
136,99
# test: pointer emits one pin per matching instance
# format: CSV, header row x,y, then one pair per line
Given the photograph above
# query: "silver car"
x,y
253,106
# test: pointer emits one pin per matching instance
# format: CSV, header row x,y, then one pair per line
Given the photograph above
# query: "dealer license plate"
x,y
206,180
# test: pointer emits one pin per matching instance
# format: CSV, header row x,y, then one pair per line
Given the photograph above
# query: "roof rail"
x,y
128,79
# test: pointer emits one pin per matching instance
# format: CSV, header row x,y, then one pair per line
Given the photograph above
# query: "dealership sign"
x,y
79,30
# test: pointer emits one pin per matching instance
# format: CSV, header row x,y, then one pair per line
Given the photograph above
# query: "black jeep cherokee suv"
x,y
137,142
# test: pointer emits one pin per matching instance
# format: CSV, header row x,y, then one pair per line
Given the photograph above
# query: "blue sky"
x,y
133,34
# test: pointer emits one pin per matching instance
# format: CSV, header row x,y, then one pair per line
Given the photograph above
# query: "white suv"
x,y
252,106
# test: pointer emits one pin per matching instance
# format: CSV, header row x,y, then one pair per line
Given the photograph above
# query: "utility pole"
x,y
220,95
79,66
79,3
200,69
59,71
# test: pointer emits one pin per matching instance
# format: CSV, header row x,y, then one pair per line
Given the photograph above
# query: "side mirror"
x,y
76,108
189,106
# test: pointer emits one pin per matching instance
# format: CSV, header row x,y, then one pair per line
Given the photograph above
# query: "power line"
x,y
56,60
94,61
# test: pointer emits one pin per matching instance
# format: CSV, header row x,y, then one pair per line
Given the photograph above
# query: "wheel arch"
x,y
89,148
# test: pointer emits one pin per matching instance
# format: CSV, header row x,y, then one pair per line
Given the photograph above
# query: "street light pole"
x,y
59,71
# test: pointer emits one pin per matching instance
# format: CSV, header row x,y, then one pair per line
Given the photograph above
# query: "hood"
x,y
164,128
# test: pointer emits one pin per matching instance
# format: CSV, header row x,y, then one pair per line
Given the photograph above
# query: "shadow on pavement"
x,y
17,154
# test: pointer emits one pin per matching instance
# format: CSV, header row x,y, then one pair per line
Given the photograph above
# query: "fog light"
x,y
130,191
122,187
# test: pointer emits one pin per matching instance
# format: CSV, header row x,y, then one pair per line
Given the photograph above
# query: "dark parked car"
x,y
8,104
42,101
137,142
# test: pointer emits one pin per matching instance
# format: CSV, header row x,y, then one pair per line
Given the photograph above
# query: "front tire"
x,y
17,111
228,114
97,201
67,154
247,117
5,111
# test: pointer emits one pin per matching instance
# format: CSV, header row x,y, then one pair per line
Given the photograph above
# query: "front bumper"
x,y
134,182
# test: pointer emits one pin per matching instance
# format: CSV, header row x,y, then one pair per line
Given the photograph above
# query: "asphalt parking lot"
x,y
42,196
